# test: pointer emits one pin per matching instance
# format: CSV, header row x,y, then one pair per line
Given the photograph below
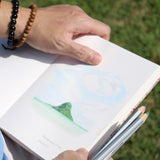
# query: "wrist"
x,y
5,18
22,19
5,14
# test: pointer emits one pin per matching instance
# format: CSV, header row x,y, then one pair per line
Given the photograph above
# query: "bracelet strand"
x,y
28,27
12,23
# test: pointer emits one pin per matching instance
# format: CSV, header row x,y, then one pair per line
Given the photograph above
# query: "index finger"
x,y
94,27
99,28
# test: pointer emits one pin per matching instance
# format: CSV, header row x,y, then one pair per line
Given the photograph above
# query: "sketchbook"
x,y
51,103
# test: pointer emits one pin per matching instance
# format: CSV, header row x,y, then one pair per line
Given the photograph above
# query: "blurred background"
x,y
135,26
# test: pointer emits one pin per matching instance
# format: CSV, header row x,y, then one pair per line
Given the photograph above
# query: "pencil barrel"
x,y
123,137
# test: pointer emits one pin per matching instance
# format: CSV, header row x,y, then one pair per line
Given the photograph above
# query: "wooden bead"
x,y
28,26
30,23
33,6
33,16
34,13
26,31
25,35
31,19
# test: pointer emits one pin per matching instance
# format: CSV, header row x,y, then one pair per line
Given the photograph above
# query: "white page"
x,y
97,94
18,70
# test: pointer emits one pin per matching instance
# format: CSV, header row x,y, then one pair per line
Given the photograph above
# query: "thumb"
x,y
84,53
83,153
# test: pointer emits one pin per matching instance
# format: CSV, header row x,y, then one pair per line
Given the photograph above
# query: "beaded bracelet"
x,y
28,27
12,27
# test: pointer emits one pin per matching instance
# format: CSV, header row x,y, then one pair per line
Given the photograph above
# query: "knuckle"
x,y
81,53
77,8
78,14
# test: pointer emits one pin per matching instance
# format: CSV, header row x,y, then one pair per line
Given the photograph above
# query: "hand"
x,y
55,27
80,154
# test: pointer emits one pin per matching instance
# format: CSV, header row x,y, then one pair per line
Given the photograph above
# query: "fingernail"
x,y
82,151
95,59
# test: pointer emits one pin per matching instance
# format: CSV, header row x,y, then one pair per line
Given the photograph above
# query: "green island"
x,y
65,109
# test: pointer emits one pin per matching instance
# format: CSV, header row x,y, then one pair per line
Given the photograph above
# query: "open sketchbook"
x,y
55,103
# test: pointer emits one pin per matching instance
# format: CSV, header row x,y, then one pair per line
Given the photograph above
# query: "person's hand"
x,y
55,27
80,154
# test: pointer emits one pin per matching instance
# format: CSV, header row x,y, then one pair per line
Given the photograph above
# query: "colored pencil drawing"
x,y
63,110
92,92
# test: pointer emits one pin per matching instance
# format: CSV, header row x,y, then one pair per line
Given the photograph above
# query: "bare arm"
x,y
54,29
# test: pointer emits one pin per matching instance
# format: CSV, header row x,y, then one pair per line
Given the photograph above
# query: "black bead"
x,y
14,16
13,21
11,34
15,7
12,28
10,43
15,3
10,38
15,11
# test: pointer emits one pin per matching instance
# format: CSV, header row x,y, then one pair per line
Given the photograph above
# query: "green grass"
x,y
135,26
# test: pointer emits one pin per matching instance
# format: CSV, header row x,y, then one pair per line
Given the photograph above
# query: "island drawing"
x,y
90,94
63,109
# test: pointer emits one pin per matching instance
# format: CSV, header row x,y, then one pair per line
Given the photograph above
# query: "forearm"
x,y
5,17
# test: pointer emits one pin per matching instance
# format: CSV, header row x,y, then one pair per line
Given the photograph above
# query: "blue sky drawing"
x,y
88,90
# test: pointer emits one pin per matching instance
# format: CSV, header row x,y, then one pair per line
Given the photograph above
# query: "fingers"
x,y
111,158
80,154
84,54
92,26
83,153
100,29
65,24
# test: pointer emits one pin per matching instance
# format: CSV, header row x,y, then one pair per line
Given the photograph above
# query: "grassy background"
x,y
135,26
